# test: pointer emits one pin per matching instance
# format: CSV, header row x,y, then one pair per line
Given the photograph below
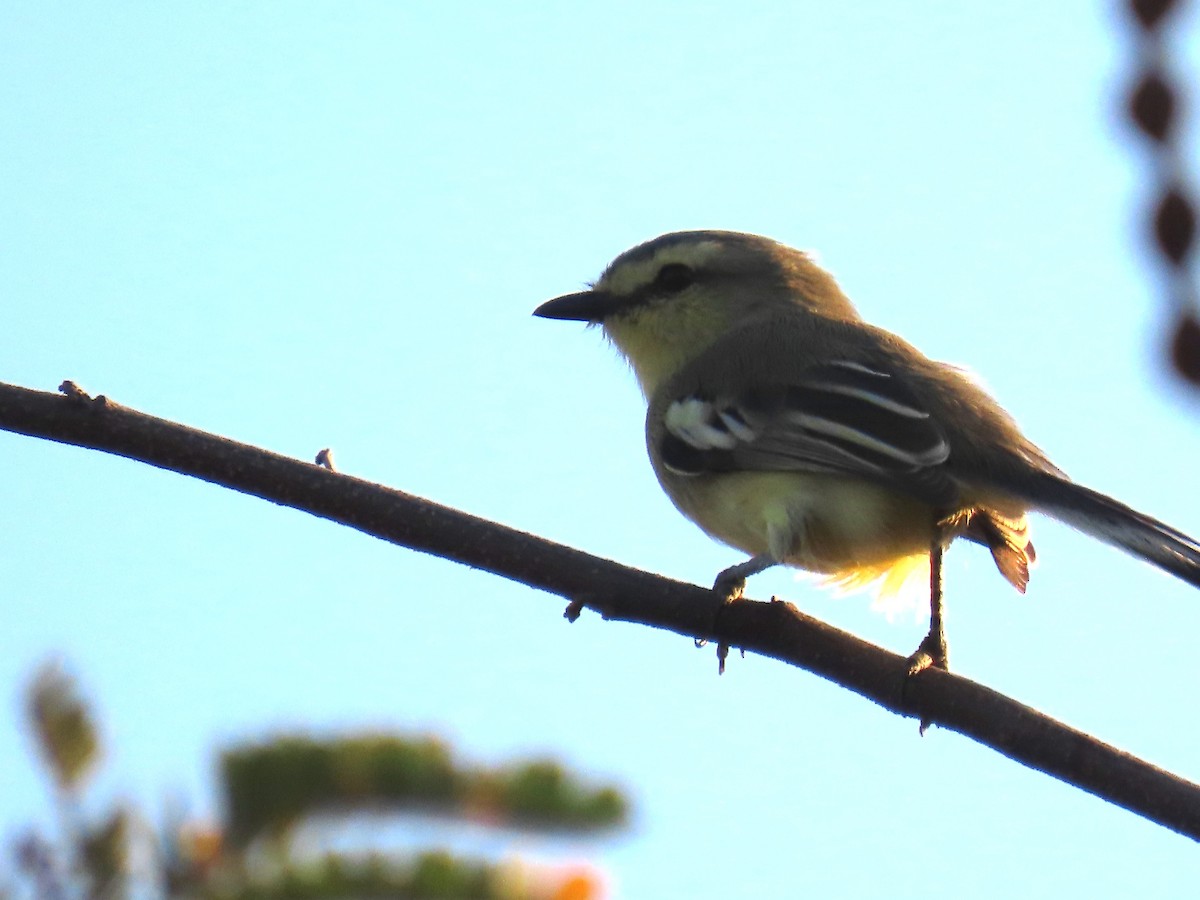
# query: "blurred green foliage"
x,y
62,726
430,876
272,786
541,794
104,852
269,787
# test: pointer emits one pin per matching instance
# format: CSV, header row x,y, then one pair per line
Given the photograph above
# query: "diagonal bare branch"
x,y
617,592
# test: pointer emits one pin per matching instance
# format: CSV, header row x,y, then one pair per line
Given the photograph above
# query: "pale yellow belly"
x,y
821,523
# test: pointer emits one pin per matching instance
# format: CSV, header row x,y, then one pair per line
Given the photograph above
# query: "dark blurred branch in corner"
x,y
1154,108
619,593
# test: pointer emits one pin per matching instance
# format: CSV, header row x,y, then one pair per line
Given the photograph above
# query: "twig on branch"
x,y
617,592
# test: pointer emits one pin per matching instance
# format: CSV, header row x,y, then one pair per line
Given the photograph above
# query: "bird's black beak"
x,y
586,306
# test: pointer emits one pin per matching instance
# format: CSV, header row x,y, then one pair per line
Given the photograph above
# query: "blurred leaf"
x,y
269,787
62,726
104,852
542,793
429,876
439,875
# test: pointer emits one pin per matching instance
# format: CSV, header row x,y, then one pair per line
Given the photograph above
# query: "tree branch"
x,y
617,592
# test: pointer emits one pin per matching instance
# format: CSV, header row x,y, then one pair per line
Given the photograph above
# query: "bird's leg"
x,y
729,587
932,651
731,583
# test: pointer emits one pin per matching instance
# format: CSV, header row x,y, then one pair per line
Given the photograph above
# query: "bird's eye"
x,y
673,278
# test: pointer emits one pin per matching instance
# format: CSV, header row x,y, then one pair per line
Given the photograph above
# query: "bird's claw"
x,y
729,588
931,653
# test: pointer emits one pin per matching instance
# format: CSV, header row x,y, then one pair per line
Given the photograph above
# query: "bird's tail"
x,y
1117,524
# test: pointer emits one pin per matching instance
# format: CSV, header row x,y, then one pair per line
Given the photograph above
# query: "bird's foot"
x,y
931,653
729,587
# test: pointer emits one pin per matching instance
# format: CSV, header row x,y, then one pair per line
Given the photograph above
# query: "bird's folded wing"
x,y
837,417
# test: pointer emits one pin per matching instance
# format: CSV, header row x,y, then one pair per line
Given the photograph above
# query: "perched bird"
x,y
786,426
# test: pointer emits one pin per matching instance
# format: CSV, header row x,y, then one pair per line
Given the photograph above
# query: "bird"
x,y
786,426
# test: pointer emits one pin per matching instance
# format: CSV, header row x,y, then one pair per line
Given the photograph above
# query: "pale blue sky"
x,y
309,225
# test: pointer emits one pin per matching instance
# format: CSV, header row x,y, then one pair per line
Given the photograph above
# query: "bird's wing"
x,y
838,417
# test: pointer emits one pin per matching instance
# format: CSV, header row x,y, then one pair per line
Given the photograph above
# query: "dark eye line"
x,y
670,280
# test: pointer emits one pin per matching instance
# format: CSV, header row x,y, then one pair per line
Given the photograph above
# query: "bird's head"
x,y
667,300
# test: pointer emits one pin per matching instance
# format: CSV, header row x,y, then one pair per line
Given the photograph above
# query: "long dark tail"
x,y
1116,524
